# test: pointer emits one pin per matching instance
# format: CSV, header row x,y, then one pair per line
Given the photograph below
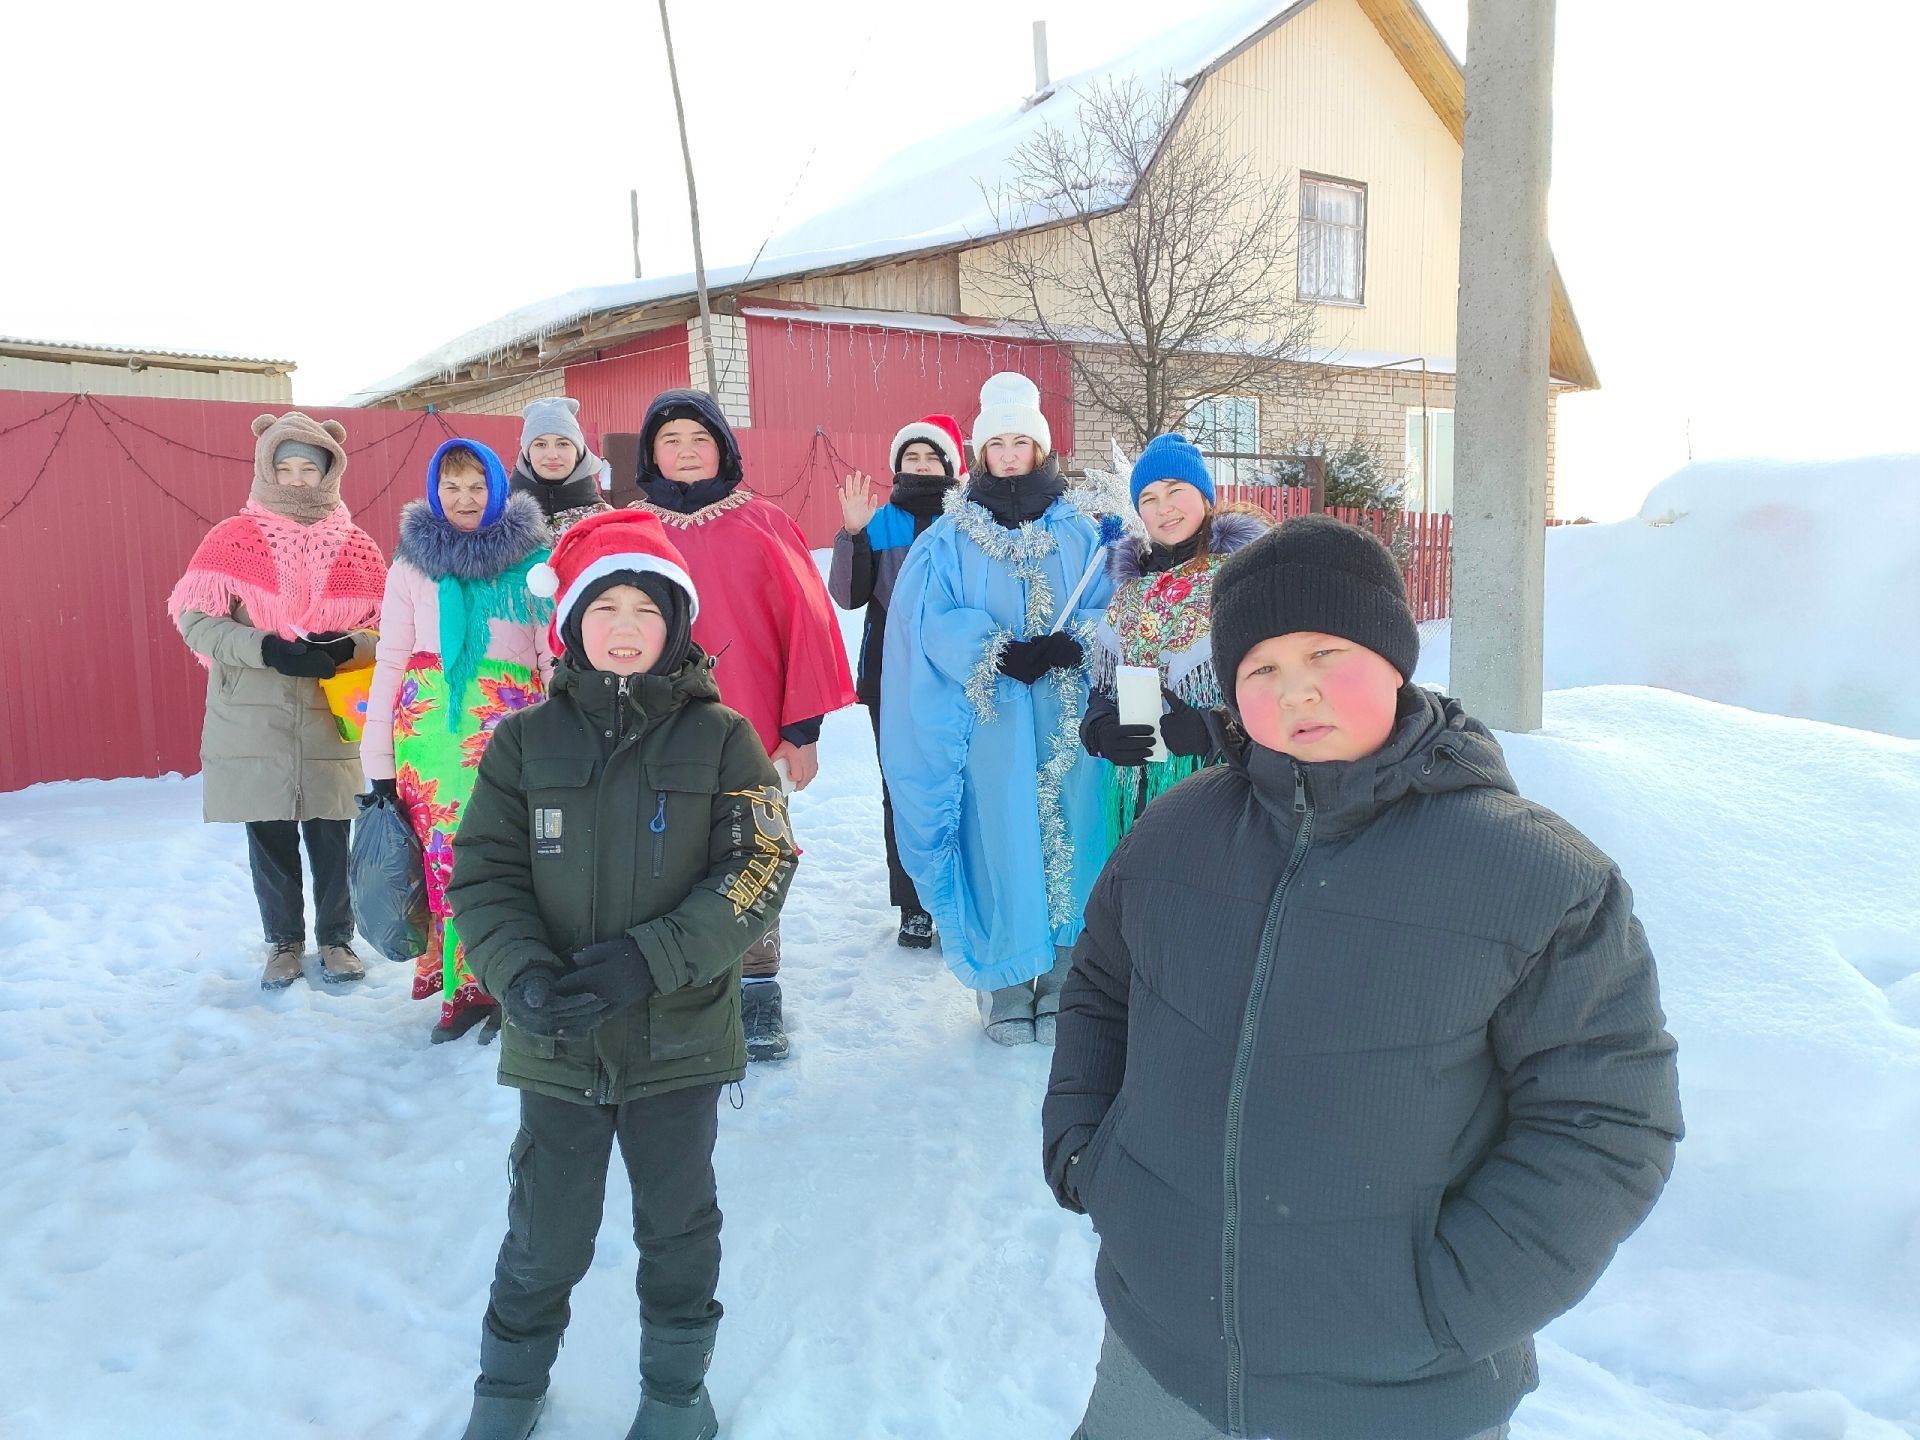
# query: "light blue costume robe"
x,y
996,807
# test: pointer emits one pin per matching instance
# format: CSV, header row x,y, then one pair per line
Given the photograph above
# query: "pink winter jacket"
x,y
410,624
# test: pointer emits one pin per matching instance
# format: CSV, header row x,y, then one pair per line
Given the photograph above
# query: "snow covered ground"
x,y
1789,587
228,1214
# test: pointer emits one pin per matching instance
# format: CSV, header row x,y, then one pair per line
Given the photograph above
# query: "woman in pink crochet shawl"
x,y
274,600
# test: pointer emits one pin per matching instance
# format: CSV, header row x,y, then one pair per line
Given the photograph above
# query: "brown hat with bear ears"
x,y
304,503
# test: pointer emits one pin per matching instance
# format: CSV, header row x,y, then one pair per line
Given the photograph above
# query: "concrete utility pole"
x,y
693,212
1500,396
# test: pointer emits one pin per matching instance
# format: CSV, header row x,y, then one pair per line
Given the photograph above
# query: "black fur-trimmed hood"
x,y
438,549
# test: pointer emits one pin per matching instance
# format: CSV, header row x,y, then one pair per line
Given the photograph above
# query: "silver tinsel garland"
x,y
1022,550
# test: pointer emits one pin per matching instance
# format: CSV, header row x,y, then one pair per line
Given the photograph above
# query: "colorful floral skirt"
x,y
435,765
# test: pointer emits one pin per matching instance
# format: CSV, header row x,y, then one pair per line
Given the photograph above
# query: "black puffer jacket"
x,y
1362,1076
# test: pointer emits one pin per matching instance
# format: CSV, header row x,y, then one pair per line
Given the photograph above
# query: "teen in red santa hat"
x,y
868,551
625,842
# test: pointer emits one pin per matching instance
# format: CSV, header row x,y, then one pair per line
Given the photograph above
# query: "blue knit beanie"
x,y
1170,457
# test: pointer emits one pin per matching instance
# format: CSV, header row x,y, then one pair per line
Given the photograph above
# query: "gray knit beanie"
x,y
555,415
300,450
1312,572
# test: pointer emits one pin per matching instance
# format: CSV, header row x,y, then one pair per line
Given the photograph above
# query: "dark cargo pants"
x,y
554,1208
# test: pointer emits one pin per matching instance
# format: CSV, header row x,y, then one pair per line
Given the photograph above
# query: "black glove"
x,y
1184,728
1122,744
531,1004
385,790
337,644
295,657
1027,660
613,972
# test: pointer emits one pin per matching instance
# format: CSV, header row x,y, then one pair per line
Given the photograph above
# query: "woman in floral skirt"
x,y
463,644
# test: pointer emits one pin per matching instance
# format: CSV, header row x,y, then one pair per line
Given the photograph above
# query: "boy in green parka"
x,y
625,843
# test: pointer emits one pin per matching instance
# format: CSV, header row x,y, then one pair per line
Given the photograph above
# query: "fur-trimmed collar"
x,y
1228,531
438,549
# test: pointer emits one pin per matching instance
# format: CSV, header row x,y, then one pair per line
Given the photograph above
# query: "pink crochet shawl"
x,y
293,579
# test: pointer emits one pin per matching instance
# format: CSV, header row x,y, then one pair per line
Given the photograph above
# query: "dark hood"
x,y
649,696
698,406
1435,748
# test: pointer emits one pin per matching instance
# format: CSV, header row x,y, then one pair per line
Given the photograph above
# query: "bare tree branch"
x,y
1153,254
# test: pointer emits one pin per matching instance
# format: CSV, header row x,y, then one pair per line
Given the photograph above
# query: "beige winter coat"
x,y
270,749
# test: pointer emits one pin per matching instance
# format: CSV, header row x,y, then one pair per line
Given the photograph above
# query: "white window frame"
x,y
1316,235
1440,473
1206,434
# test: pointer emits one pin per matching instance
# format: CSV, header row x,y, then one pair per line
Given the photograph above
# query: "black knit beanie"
x,y
673,604
1312,573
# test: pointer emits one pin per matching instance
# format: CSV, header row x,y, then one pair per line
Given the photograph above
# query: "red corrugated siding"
x,y
615,389
102,501
828,398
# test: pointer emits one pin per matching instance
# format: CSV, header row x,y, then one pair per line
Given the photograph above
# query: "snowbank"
x,y
1792,588
229,1214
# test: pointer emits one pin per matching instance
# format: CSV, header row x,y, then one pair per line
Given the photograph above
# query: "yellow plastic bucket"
x,y
346,694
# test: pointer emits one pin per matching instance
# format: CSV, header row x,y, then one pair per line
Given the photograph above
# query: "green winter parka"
x,y
640,806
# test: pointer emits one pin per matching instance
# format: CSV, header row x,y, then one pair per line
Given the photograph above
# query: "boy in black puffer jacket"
x,y
1361,1067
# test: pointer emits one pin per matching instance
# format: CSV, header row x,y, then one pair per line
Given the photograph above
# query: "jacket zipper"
x,y
1236,1110
659,829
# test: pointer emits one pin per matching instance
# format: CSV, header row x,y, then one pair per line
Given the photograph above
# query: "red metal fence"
x,y
1423,542
102,501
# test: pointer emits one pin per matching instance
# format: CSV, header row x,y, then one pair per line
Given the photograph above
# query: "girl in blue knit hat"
x,y
1161,616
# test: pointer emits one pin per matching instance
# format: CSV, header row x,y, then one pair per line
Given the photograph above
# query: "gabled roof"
x,y
933,196
61,352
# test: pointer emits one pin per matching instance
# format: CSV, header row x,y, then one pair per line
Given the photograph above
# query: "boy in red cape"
x,y
764,617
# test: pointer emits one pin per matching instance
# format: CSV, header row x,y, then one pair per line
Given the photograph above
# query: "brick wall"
x,y
733,389
1299,398
512,399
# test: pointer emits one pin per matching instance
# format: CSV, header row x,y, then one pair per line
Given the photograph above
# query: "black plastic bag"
x,y
388,877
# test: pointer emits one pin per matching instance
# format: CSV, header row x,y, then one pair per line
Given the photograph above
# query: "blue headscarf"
x,y
496,480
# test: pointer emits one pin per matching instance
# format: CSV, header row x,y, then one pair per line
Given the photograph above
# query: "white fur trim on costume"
x,y
933,435
607,565
1010,405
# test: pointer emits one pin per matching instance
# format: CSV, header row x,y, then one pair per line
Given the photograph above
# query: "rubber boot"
x,y
512,1388
674,1404
1046,994
1007,1014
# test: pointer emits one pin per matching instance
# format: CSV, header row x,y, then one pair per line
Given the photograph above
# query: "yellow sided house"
x,y
1340,121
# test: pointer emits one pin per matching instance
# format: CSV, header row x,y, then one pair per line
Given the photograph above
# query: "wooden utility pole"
x,y
1500,399
693,213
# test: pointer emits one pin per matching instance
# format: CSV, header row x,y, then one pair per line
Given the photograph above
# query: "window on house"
x,y
1225,427
1430,462
1333,240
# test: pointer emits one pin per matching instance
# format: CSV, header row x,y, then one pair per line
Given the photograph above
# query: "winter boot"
x,y
283,964
1046,995
457,1023
916,928
674,1402
512,1388
1008,1014
340,966
765,1022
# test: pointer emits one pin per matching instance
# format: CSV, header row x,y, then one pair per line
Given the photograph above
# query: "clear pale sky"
x,y
349,185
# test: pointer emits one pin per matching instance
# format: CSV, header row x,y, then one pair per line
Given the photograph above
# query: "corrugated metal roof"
x,y
65,349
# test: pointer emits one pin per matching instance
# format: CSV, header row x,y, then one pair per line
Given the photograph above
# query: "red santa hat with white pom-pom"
x,y
940,431
606,544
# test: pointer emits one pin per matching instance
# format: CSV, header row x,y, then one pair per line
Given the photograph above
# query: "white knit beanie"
x,y
1010,405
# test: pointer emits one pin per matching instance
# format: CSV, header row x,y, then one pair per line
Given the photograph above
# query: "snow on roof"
x,y
932,194
78,348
